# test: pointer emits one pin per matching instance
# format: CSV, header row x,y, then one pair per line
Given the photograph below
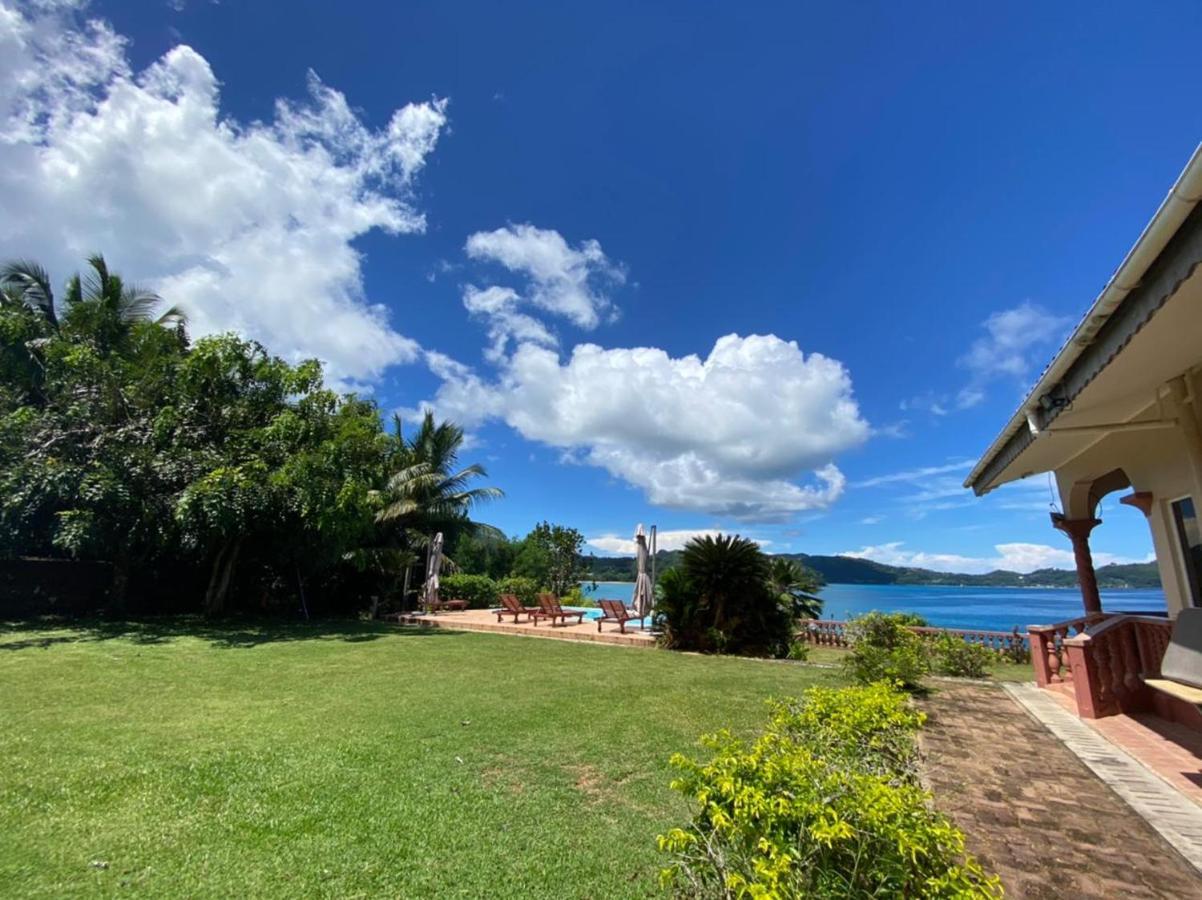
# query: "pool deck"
x,y
484,620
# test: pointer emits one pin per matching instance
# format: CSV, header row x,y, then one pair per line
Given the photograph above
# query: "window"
x,y
1189,534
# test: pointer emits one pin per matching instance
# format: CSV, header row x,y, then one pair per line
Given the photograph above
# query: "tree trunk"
x,y
301,586
405,588
219,579
119,591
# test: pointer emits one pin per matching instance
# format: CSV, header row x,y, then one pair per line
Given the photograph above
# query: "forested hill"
x,y
848,570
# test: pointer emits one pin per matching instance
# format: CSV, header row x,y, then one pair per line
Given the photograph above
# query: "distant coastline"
x,y
851,570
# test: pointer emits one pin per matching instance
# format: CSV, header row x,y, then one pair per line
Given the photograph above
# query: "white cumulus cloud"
x,y
1014,557
562,280
248,226
616,545
728,435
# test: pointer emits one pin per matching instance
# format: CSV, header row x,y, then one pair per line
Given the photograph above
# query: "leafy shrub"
x,y
479,591
824,803
576,597
883,648
525,589
799,650
953,655
720,600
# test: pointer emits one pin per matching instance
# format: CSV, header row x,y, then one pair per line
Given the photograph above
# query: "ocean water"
x,y
986,608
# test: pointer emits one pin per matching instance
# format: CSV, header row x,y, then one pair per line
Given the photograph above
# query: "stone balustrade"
x,y
833,633
1047,647
1109,660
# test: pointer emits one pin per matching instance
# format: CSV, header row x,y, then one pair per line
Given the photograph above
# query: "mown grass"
x,y
348,760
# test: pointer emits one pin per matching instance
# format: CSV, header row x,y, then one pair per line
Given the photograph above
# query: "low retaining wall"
x,y
833,633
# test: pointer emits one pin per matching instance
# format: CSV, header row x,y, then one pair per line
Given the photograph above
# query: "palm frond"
x,y
31,283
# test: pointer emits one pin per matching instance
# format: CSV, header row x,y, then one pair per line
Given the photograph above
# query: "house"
x,y
1119,409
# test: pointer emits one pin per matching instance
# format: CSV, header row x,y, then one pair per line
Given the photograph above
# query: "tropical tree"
x,y
427,490
796,586
720,599
550,555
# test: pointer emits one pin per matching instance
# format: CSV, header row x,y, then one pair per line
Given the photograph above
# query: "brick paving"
x,y
1033,812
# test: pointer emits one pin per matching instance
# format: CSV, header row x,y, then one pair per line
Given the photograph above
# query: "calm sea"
x,y
989,608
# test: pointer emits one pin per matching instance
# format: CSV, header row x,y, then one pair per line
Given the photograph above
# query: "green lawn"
x,y
348,760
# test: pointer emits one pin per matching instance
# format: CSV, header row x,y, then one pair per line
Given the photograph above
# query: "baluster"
x,y
1131,667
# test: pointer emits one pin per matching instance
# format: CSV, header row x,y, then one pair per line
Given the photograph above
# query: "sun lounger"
x,y
511,605
549,608
616,611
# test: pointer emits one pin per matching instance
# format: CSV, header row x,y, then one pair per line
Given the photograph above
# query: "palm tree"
x,y
725,571
25,283
428,492
797,587
98,304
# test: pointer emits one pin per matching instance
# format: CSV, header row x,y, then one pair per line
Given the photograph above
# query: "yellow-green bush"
x,y
825,803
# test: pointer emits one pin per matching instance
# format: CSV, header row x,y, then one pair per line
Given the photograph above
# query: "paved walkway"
x,y
1035,813
483,620
1171,750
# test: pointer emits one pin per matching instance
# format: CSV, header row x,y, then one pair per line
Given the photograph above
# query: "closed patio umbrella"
x,y
643,590
433,565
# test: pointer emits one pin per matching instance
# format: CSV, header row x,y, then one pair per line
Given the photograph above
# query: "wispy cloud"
x,y
914,475
1014,341
1013,557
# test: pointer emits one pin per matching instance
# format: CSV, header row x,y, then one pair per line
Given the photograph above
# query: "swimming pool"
x,y
592,615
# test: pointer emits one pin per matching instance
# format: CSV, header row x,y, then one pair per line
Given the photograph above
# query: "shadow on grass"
x,y
229,634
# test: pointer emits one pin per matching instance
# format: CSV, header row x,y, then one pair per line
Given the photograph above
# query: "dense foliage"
x,y
722,599
210,464
478,591
826,802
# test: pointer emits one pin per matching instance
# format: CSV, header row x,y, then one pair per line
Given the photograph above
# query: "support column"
x,y
1078,532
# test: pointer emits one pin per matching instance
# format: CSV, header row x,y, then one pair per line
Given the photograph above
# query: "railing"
x,y
1047,647
1110,660
833,633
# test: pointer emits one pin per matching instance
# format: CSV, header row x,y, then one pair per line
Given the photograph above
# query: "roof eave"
x,y
1173,211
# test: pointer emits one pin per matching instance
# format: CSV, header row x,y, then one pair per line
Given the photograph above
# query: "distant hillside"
x,y
848,570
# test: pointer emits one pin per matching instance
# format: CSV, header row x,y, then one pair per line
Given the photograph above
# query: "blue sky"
x,y
908,204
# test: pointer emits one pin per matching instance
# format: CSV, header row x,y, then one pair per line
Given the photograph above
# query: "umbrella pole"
x,y
653,549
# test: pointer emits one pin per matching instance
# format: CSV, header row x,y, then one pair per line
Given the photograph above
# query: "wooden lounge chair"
x,y
549,608
616,611
1181,668
511,605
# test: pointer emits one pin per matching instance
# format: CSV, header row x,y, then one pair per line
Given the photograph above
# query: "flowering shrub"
x,y
824,803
